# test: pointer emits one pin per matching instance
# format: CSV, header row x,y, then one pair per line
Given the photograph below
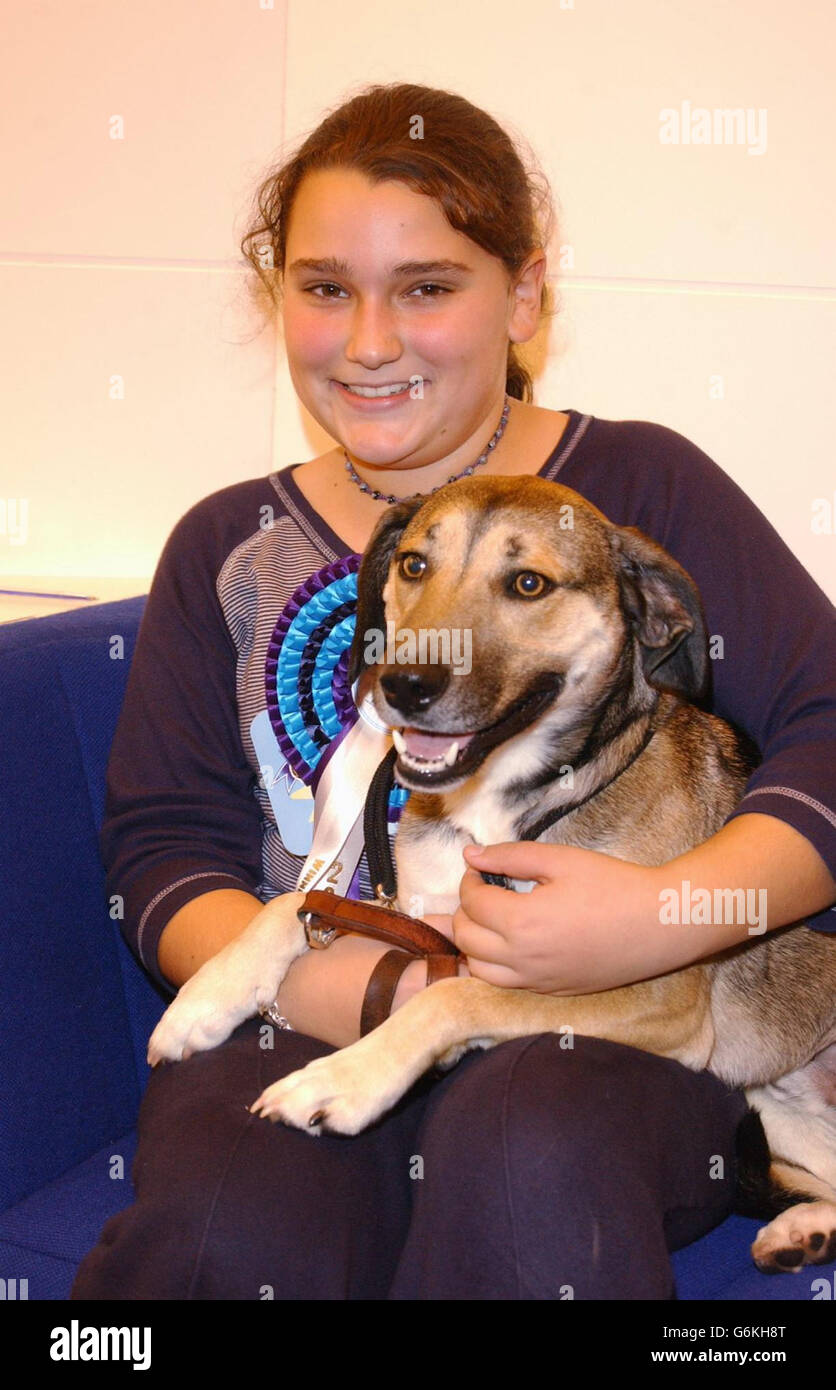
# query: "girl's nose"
x,y
373,338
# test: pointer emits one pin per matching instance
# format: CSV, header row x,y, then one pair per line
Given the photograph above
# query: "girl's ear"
x,y
371,579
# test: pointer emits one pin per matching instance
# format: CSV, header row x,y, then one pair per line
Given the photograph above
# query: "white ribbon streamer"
x,y
339,804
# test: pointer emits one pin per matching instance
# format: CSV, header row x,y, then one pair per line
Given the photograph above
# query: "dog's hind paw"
x,y
802,1235
334,1094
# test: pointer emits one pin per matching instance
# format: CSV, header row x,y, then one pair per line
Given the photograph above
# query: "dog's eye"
x,y
529,585
412,566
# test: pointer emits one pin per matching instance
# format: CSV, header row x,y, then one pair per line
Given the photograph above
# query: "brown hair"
x,y
464,160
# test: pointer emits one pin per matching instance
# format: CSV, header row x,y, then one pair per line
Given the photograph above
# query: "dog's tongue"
x,y
425,745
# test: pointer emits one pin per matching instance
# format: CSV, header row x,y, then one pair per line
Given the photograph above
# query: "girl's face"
x,y
379,290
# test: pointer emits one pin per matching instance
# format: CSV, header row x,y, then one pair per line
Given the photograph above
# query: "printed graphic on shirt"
x,y
292,801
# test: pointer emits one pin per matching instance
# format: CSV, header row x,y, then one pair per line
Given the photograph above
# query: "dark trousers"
x,y
530,1171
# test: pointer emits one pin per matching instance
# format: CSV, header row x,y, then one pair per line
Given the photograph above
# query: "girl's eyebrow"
x,y
330,265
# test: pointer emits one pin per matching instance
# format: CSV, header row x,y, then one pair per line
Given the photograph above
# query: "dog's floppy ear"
x,y
663,605
371,578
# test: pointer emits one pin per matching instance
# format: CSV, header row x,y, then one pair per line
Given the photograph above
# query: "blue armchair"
x,y
78,1009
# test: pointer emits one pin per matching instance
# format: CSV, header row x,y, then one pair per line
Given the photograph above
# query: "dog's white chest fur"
x,y
428,855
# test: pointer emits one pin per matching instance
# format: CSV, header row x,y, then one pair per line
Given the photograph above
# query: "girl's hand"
x,y
587,925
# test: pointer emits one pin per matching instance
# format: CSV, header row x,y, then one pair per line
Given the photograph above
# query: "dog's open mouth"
x,y
426,758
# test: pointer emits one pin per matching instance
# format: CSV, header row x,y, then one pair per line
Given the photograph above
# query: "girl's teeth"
x,y
377,390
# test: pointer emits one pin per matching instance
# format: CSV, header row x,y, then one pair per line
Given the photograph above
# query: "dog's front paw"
x,y
801,1235
340,1094
232,986
202,1016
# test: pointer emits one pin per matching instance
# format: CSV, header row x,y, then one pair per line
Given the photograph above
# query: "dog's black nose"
x,y
410,689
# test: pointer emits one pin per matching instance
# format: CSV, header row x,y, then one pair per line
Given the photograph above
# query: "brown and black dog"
x,y
587,652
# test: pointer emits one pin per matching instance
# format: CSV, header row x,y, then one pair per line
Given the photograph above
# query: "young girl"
x,y
407,241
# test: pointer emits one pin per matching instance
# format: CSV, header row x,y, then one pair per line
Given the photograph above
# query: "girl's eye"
x,y
328,286
529,585
442,289
312,289
411,566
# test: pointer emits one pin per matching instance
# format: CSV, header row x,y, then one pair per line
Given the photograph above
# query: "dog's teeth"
x,y
418,762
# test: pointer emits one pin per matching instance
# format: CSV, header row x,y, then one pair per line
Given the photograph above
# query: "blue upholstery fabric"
x,y
44,1238
78,1009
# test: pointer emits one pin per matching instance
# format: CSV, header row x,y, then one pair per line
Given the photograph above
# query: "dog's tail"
x,y
766,1187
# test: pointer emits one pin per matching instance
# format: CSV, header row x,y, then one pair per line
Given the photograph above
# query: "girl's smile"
x,y
383,394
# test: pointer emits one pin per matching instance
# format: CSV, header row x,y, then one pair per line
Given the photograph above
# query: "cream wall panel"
x,y
107,478
585,87
119,257
664,356
199,89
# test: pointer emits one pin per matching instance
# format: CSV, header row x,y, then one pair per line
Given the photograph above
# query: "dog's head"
x,y
498,603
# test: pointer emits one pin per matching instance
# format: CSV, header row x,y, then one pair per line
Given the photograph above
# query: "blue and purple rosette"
x,y
310,702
